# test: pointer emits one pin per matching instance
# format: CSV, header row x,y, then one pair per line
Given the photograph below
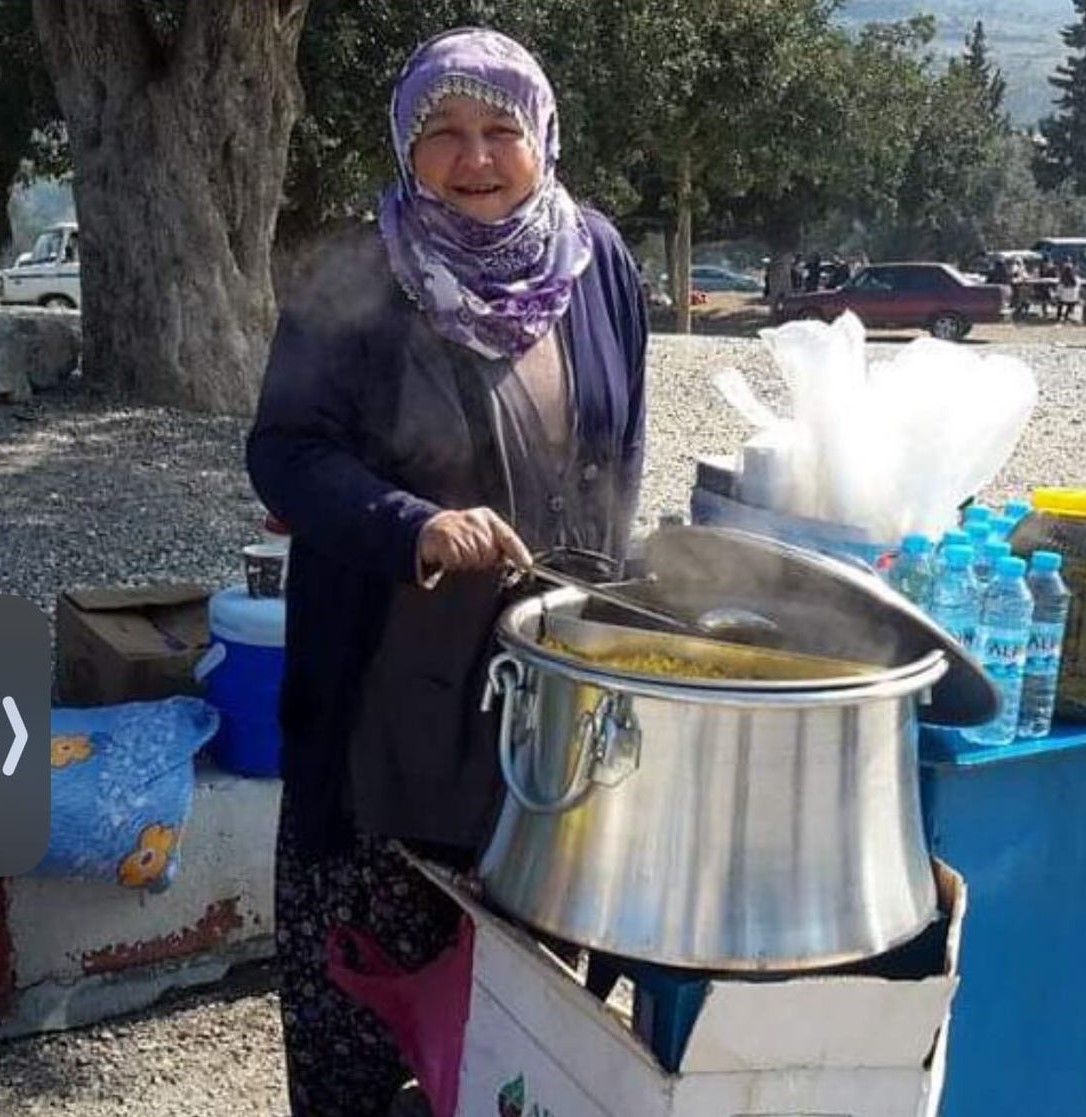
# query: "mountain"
x,y
1023,35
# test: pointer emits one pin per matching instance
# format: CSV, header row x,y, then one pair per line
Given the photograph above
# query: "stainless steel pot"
x,y
716,827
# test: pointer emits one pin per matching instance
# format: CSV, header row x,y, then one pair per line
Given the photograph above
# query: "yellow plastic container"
x,y
1058,523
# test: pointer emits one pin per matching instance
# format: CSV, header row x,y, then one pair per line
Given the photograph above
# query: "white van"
x,y
47,275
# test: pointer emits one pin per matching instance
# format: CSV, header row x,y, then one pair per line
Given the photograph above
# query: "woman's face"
x,y
475,158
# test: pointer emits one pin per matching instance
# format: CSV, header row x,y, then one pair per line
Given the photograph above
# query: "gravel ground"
x,y
92,493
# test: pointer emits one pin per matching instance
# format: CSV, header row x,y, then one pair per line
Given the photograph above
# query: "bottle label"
x,y
1043,653
966,634
1004,651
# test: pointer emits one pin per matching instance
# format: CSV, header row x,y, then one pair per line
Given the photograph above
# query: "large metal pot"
x,y
744,826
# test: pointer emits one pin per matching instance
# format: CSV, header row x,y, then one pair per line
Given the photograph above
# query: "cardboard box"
x,y
818,1046
120,644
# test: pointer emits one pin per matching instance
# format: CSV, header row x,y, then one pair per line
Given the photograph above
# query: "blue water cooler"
x,y
243,668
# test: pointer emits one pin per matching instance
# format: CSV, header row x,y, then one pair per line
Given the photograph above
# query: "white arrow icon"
x,y
11,762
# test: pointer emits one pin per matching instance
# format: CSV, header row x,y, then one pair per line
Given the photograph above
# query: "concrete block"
x,y
38,347
80,951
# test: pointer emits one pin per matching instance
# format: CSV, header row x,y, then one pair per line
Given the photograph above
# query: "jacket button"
x,y
590,472
556,503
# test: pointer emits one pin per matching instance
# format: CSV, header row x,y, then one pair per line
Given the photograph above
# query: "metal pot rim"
x,y
887,683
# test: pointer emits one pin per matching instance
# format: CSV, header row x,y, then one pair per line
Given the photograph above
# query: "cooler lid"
x,y
233,615
821,605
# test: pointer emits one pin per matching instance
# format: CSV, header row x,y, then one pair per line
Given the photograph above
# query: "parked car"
x,y
47,275
935,297
712,277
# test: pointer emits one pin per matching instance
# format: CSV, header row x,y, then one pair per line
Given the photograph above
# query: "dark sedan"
x,y
934,297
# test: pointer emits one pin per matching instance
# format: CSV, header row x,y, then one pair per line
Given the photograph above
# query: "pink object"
x,y
426,1010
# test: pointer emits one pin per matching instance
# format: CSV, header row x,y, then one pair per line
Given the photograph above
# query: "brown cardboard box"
x,y
121,644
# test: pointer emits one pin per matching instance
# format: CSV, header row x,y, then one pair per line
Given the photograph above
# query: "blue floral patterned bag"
x,y
122,784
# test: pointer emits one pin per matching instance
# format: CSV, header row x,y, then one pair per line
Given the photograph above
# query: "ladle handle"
x,y
506,681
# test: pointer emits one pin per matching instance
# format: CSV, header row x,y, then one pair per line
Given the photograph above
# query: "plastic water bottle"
x,y
978,533
976,514
986,561
1017,509
955,598
912,574
1001,527
952,538
1051,603
1005,621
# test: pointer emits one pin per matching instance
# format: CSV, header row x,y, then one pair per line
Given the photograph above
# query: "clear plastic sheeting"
x,y
891,447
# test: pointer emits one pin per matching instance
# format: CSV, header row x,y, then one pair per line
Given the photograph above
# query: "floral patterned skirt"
x,y
341,1060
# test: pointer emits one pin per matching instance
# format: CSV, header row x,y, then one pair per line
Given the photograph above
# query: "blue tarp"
x,y
122,785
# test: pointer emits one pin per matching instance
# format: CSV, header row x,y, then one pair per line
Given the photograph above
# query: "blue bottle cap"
x,y
1016,509
954,538
1011,567
1045,562
1001,526
976,513
916,544
959,556
995,549
978,531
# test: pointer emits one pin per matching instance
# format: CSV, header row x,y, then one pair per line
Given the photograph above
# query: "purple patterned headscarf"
x,y
497,287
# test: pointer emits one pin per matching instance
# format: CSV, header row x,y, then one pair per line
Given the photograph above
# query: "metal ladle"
x,y
721,621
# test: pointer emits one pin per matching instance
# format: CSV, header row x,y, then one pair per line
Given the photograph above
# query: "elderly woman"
x,y
440,402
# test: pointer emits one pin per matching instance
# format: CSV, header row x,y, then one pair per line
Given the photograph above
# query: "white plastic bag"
x,y
839,435
958,416
889,449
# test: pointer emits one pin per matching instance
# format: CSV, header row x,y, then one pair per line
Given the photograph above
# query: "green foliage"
x,y
986,75
787,122
349,57
1062,157
946,189
27,106
1021,37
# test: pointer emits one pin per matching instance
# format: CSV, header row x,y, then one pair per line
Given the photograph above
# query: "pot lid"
x,y
821,605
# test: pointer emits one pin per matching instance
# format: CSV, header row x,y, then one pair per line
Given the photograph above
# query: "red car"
x,y
934,297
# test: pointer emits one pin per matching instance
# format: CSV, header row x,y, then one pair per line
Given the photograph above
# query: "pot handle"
x,y
505,678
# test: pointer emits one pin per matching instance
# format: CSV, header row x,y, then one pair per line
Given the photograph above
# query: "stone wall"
x,y
38,349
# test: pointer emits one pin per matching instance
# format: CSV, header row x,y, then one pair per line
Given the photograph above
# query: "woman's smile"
x,y
475,157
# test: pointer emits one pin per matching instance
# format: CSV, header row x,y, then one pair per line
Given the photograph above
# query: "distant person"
x,y
1066,292
813,279
998,273
1046,292
841,272
795,273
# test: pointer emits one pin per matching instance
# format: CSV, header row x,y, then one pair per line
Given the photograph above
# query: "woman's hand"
x,y
472,539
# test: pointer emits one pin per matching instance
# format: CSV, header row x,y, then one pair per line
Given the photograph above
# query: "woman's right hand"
x,y
472,539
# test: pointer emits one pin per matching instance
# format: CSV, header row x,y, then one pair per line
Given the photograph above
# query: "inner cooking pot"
x,y
717,825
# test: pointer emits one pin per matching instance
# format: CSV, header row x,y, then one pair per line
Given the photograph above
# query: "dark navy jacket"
x,y
360,436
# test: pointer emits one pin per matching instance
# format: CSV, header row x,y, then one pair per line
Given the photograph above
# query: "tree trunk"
x,y
179,143
683,206
8,169
670,251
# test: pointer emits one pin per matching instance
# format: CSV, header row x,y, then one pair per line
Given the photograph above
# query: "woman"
x,y
1066,292
444,400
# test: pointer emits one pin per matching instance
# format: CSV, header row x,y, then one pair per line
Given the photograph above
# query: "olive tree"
x,y
179,116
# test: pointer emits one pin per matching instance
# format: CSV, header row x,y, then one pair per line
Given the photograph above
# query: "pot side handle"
x,y
505,680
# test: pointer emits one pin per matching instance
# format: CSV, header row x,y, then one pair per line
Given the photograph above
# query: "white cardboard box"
x,y
825,1046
